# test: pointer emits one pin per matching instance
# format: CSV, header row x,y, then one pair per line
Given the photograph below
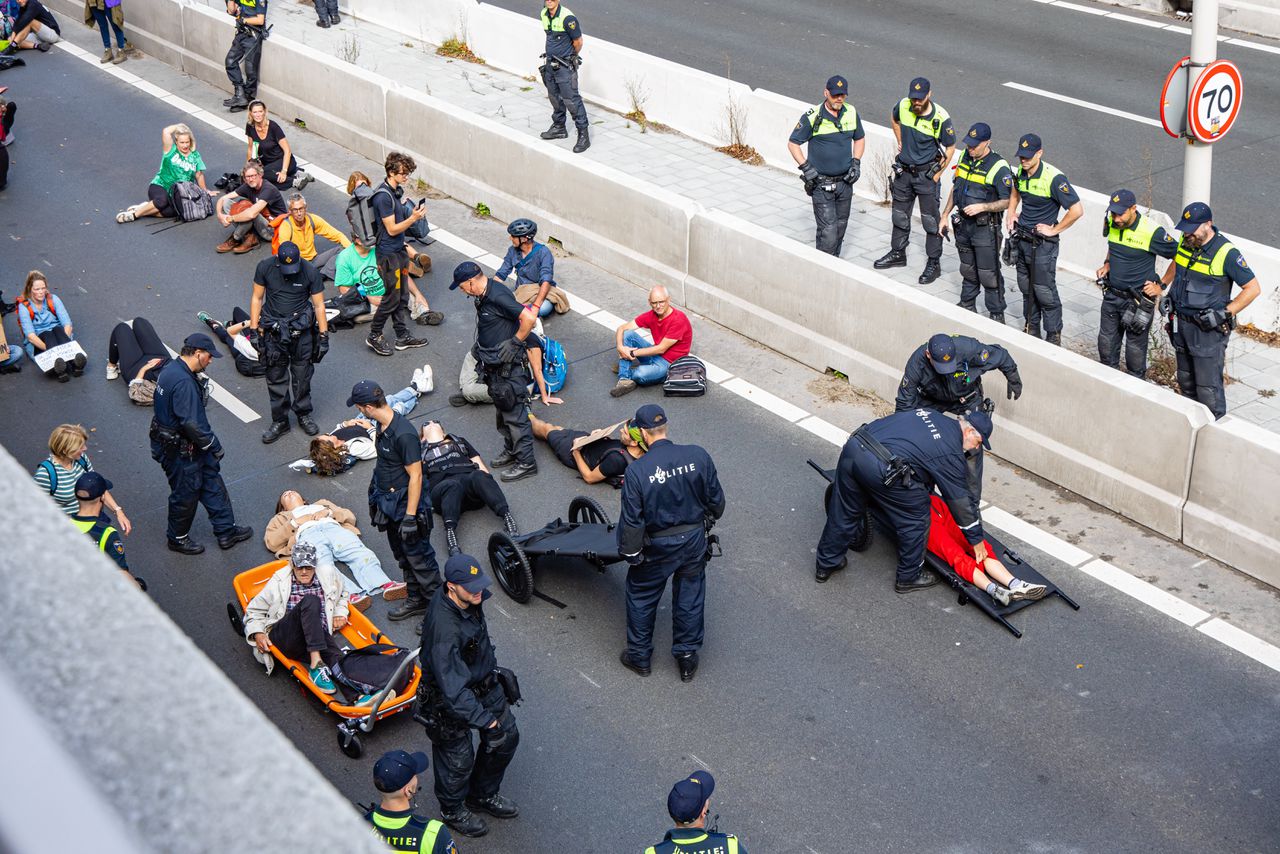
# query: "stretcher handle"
x,y
367,722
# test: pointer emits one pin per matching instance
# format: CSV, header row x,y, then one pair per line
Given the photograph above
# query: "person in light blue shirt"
x,y
533,265
45,323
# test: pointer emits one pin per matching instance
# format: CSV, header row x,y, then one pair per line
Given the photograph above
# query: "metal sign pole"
x,y
1197,168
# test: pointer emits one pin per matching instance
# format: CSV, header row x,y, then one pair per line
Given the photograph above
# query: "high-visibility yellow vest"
x,y
1138,236
930,126
1041,186
821,123
556,25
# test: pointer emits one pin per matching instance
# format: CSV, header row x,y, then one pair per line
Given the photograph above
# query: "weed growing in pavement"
x,y
349,50
482,210
877,171
456,49
639,96
734,129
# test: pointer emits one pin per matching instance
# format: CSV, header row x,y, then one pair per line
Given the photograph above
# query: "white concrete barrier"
x,y
1231,511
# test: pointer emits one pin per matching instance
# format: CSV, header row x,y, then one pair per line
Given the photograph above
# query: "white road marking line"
x,y
1147,22
1133,19
765,400
1174,28
229,401
1036,538
607,319
233,132
825,430
324,176
488,259
1088,10
120,73
1255,45
456,243
580,305
589,679
150,88
715,373
74,50
215,122
1146,593
1088,105
1241,641
182,104
701,764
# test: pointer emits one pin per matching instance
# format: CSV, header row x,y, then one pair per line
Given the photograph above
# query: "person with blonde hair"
x,y
181,162
67,460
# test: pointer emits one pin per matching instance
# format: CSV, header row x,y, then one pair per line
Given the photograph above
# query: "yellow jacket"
x,y
305,236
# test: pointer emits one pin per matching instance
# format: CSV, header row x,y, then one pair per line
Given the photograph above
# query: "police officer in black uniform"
x,y
670,499
980,192
688,805
462,688
395,776
1128,281
560,73
287,310
836,141
183,443
246,47
926,141
502,329
1200,309
946,374
895,462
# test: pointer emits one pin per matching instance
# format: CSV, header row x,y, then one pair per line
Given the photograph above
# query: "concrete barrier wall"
x,y
1231,511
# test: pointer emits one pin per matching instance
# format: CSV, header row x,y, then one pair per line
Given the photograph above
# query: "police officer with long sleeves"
x,y
183,443
246,47
462,688
926,141
1202,312
560,73
895,462
834,163
981,190
670,498
945,373
1129,270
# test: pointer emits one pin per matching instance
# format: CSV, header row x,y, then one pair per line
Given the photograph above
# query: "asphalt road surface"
x,y
970,51
836,718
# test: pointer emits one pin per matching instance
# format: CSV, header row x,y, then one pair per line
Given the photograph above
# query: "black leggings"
x,y
132,347
467,491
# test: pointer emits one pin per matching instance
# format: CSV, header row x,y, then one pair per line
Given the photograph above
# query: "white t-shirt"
x,y
308,510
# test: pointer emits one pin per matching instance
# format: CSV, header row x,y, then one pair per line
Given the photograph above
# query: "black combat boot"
x,y
892,258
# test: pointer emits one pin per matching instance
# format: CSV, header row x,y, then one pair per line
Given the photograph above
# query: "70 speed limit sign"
x,y
1213,104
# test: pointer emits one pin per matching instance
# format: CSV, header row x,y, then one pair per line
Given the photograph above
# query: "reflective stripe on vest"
x,y
929,127
1139,236
419,840
1042,186
820,119
1194,262
967,170
731,841
85,527
1203,279
556,26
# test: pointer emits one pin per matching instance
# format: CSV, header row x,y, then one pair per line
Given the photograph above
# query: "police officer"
x,y
945,374
287,309
1039,191
91,521
502,328
836,141
983,184
246,47
1129,270
395,776
462,688
688,805
926,141
1200,308
560,73
182,441
895,463
670,499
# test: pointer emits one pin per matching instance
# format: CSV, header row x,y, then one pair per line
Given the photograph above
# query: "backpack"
x,y
364,222
276,222
555,367
48,466
192,202
369,669
687,377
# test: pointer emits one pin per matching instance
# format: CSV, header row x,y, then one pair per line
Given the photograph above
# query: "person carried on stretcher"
x,y
947,542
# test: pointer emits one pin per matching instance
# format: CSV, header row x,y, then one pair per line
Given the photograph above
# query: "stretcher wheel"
x,y
587,509
511,567
349,743
237,622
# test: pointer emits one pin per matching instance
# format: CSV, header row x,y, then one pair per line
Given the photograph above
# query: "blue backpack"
x,y
555,367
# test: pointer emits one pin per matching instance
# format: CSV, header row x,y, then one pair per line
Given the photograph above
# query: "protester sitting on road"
x,y
357,267
10,355
458,480
181,162
109,18
353,440
333,532
534,266
298,610
268,145
947,541
252,224
472,389
642,363
45,323
395,775
302,228
67,460
236,336
602,459
36,22
89,491
138,353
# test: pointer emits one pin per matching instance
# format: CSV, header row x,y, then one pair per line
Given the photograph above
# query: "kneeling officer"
x,y
896,462
946,374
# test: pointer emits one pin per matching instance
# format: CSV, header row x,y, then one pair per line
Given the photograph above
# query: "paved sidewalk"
x,y
769,197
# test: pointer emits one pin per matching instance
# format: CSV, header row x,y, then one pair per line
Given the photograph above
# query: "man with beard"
x,y
836,140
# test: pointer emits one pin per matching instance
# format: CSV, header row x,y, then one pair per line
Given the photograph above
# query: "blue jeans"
x,y
103,17
648,370
403,401
335,543
15,356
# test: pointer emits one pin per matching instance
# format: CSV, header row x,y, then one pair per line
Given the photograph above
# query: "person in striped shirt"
x,y
67,460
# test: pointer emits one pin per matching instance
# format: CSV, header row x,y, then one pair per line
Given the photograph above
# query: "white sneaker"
x,y
423,380
113,372
1001,595
417,381
1028,591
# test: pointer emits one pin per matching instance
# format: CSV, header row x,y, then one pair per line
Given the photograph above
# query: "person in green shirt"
x,y
181,162
357,267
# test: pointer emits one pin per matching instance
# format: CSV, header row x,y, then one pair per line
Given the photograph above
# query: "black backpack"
x,y
687,377
369,669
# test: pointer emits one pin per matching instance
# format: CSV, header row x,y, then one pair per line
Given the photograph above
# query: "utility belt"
x,y
1029,235
929,170
289,328
897,471
1226,327
262,32
171,440
429,707
677,530
555,63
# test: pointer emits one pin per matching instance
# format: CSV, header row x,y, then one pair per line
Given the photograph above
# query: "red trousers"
x,y
947,542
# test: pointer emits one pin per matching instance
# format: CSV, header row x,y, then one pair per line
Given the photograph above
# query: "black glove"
x,y
218,452
409,529
809,176
496,741
1015,385
855,172
1212,318
322,347
511,350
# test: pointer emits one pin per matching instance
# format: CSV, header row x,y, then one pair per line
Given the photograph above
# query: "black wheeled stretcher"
x,y
966,592
587,539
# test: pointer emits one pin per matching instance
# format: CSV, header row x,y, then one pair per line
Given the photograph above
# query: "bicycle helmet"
x,y
523,228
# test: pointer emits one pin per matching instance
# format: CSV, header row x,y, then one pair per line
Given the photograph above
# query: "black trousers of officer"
x,y
1038,281
460,772
415,556
683,559
859,482
289,372
193,481
513,421
1202,357
467,491
1113,334
562,92
978,245
832,199
246,47
907,187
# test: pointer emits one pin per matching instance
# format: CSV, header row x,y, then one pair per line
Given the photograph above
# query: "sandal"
x,y
126,215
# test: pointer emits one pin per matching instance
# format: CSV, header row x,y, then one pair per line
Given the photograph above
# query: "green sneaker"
x,y
365,700
322,678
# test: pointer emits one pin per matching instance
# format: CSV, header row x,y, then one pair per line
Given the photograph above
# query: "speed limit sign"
x,y
1214,101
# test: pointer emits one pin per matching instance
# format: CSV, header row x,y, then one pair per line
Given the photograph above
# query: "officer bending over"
x,y
895,462
945,374
560,73
183,443
836,141
1200,308
670,499
688,805
395,776
462,688
983,184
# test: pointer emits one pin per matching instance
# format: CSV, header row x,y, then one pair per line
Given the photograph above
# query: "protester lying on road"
x,y
642,363
947,542
45,323
138,353
352,440
67,460
597,456
180,162
458,480
235,335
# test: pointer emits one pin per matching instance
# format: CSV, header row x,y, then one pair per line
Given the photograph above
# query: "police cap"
x,y
941,351
838,85
91,485
1193,216
689,795
649,416
1121,201
981,422
200,341
465,272
396,768
919,89
289,258
1029,145
365,391
465,571
978,134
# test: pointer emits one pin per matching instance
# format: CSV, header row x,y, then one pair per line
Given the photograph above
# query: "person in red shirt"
x,y
642,363
947,542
